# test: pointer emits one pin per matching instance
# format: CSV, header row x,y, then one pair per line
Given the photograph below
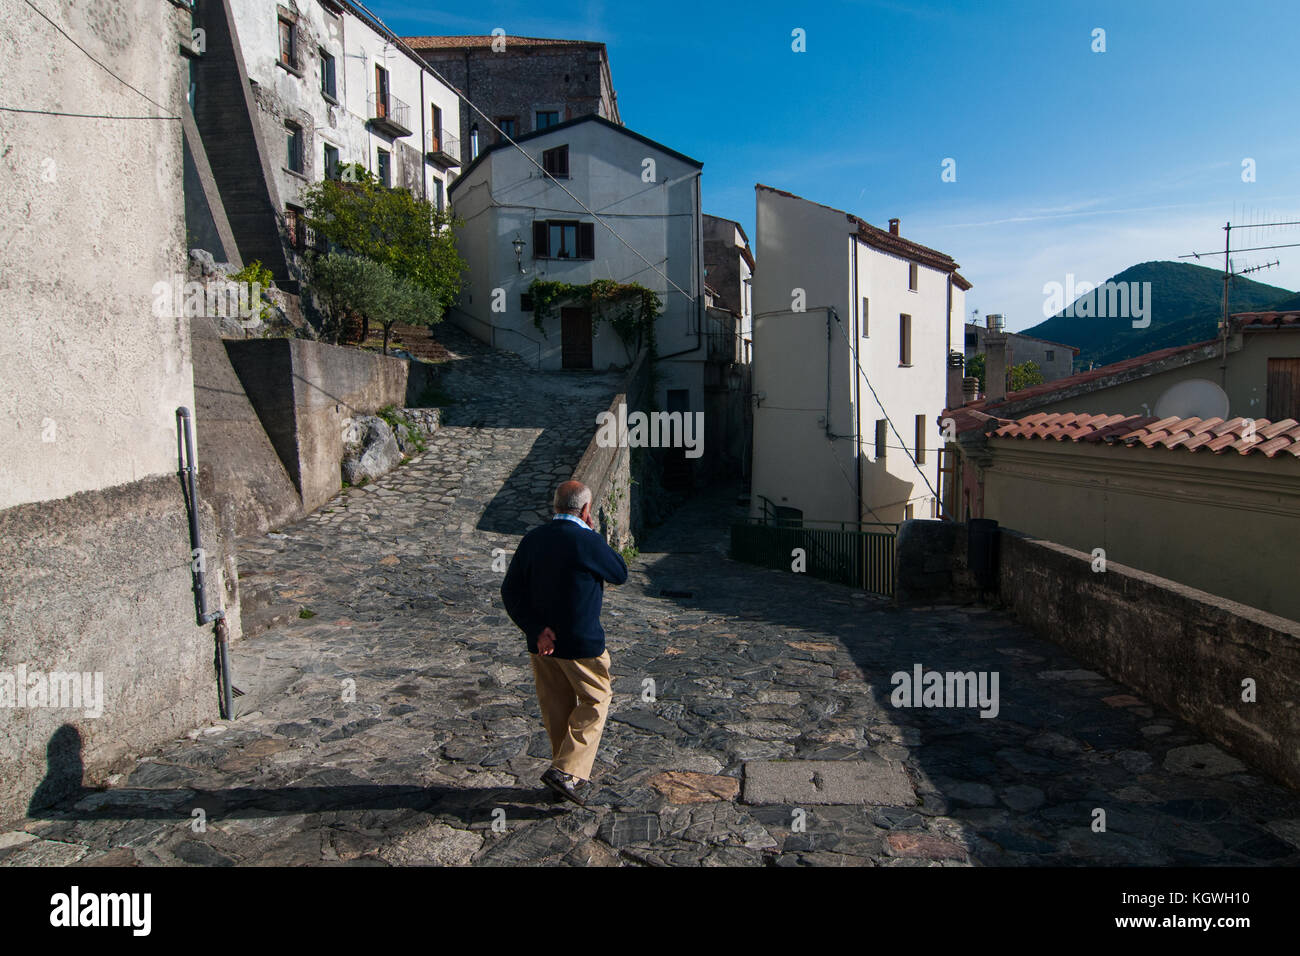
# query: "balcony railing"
x,y
441,148
390,115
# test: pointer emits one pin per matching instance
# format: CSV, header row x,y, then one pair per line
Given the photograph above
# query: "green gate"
x,y
842,552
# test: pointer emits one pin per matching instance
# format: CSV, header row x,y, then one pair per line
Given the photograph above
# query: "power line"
x,y
15,109
858,365
102,66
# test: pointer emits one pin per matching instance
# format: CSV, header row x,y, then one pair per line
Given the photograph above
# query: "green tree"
x,y
401,300
343,284
1018,376
408,235
1024,375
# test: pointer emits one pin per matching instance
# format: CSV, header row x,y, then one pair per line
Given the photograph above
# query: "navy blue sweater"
x,y
557,580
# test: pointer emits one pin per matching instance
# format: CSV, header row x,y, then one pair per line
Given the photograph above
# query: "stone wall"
x,y
608,472
1185,650
304,392
100,582
239,470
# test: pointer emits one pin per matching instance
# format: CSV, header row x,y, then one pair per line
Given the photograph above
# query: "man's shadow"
x,y
61,795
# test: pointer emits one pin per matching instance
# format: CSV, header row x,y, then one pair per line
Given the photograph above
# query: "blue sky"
x,y
1067,160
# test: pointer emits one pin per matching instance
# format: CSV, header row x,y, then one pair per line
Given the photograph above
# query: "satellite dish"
x,y
1195,398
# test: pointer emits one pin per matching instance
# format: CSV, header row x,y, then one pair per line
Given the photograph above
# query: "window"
x,y
288,45
911,276
437,194
435,129
908,511
385,167
327,83
1051,355
473,142
331,165
556,162
381,92
920,439
866,315
293,147
904,340
563,239
509,126
294,227
525,302
547,118
972,338
882,432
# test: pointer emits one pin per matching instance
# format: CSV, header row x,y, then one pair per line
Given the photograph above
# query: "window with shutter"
x,y
586,240
556,161
541,244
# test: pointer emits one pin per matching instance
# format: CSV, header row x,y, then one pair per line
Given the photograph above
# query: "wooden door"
x,y
575,338
1283,389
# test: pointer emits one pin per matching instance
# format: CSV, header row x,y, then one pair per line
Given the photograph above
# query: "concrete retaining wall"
x,y
304,392
100,582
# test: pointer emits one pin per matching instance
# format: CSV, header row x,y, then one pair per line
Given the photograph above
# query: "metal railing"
x,y
440,141
842,552
387,108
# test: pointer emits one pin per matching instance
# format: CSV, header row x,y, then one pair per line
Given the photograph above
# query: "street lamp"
x,y
519,254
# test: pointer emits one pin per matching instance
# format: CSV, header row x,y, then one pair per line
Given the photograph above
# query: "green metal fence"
x,y
845,553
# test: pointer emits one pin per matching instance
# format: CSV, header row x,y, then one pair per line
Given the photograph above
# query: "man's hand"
x,y
546,642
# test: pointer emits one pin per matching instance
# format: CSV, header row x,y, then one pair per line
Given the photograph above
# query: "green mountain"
x,y
1186,303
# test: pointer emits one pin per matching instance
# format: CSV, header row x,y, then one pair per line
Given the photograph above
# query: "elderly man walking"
x,y
553,591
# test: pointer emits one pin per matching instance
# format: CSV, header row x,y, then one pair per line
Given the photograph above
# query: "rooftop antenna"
x,y
1228,274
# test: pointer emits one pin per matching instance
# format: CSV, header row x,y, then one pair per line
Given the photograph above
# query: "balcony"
x,y
389,115
442,149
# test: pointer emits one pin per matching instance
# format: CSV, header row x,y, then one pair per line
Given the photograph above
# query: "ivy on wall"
x,y
630,308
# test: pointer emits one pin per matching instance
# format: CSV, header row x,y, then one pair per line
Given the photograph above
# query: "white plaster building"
x,y
332,85
504,198
839,304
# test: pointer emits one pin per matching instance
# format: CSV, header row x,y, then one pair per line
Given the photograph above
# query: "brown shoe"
x,y
566,786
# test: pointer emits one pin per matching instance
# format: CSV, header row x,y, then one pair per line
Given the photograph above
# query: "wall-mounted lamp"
x,y
519,254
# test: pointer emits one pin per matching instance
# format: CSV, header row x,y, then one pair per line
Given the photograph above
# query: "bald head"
x,y
571,498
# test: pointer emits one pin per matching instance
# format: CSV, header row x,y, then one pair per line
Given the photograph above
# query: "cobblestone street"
x,y
389,715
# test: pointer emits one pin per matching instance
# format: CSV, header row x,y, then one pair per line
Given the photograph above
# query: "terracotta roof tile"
x,y
1243,435
1265,320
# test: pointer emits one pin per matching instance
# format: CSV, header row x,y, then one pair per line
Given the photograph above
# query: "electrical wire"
x,y
102,66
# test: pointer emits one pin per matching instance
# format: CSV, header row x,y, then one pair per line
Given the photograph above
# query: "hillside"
x,y
1186,304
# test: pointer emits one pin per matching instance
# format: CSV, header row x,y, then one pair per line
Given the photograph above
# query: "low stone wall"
x,y
100,583
608,471
239,470
930,563
1186,650
304,392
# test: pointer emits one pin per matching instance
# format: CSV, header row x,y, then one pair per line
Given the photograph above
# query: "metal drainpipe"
x,y
857,377
190,478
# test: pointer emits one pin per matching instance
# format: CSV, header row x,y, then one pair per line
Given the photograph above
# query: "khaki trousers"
x,y
574,697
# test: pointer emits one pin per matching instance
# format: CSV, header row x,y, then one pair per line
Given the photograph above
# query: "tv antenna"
x,y
1228,273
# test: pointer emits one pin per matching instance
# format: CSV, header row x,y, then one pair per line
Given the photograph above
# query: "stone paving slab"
x,y
867,779
397,724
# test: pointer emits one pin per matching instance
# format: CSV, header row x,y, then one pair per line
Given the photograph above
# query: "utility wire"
x,y
15,109
885,412
99,64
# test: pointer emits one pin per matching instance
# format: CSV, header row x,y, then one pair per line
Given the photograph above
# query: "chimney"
x,y
995,365
893,227
956,361
970,389
994,323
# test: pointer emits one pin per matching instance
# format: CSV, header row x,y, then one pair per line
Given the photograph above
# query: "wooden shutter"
x,y
586,240
541,240
1283,395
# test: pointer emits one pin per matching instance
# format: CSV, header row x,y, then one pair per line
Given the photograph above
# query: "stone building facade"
x,y
528,83
95,568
